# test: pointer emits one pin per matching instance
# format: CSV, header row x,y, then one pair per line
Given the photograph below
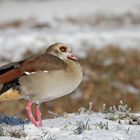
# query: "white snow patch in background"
x,y
14,42
46,10
12,46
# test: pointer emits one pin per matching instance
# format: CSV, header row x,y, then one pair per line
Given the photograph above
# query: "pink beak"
x,y
72,57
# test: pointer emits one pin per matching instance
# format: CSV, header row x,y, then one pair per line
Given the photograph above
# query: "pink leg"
x,y
29,110
38,114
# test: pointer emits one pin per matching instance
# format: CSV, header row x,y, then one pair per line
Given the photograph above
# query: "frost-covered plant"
x,y
77,127
102,125
48,136
16,132
54,114
121,113
13,131
88,111
1,130
81,126
121,108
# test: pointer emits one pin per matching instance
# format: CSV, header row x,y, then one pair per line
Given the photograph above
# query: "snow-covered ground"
x,y
97,128
115,124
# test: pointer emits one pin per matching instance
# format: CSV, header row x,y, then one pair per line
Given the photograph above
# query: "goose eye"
x,y
63,49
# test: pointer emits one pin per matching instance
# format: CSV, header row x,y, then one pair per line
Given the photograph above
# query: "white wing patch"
x,y
28,73
45,71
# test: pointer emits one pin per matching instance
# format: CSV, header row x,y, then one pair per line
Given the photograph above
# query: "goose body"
x,y
41,78
46,86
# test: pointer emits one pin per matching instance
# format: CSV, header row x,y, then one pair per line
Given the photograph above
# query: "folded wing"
x,y
45,62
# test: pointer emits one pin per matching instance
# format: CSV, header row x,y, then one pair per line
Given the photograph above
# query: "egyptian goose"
x,y
41,78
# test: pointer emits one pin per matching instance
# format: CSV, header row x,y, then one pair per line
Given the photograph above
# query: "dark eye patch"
x,y
63,49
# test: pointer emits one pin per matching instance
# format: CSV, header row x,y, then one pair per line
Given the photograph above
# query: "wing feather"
x,y
44,62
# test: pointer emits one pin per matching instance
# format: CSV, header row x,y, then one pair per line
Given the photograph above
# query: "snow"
x,y
112,123
79,127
